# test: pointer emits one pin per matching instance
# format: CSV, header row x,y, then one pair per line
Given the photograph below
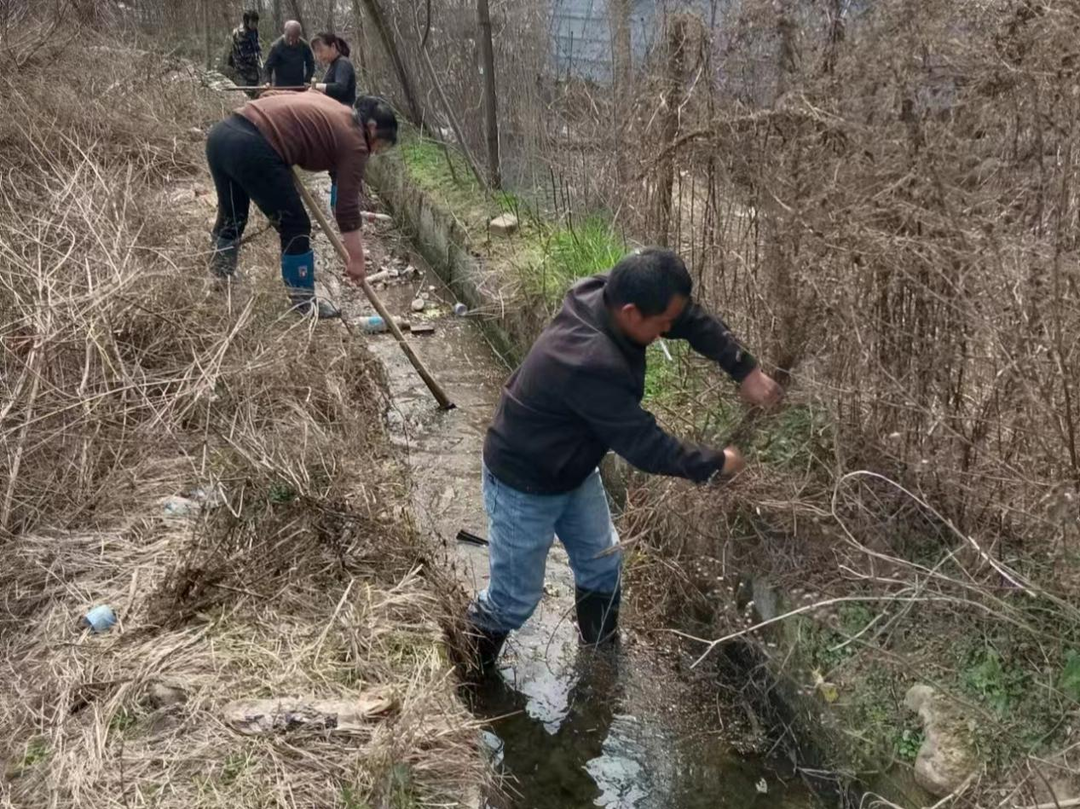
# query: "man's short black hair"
x,y
251,16
648,279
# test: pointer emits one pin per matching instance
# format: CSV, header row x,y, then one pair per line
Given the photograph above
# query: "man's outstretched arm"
x,y
611,409
709,336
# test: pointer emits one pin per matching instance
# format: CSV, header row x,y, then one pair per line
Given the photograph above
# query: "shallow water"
x,y
572,728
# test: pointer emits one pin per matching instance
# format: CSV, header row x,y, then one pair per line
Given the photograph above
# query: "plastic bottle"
x,y
373,324
460,309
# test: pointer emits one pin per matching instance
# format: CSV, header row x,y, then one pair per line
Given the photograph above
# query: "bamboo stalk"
x,y
335,240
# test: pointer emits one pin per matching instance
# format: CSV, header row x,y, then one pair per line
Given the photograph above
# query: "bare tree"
x,y
623,59
206,34
676,81
378,17
491,106
298,15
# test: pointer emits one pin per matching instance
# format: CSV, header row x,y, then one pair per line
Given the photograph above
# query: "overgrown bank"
x,y
212,468
791,538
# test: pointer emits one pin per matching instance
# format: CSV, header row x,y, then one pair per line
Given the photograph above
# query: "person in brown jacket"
x,y
251,154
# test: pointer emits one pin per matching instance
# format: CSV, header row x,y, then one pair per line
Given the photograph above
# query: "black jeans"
x,y
246,168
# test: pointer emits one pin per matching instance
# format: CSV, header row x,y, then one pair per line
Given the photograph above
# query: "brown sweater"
x,y
317,133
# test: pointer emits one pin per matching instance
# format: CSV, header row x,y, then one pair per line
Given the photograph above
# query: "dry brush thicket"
x,y
125,377
883,198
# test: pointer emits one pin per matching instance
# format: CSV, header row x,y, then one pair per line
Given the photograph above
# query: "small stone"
x,y
418,305
163,696
503,225
947,757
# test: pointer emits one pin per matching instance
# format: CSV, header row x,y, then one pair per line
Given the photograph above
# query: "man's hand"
x,y
760,389
734,463
354,246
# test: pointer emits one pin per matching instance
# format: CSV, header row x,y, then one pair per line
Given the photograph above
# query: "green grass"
x,y
571,253
430,168
351,798
122,720
281,493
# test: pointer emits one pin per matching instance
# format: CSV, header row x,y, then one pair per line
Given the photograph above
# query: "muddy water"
x,y
570,728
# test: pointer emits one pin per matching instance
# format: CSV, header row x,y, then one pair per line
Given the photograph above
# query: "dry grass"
x,y
883,200
125,377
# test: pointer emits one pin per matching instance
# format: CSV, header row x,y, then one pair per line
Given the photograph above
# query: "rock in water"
x,y
947,756
503,225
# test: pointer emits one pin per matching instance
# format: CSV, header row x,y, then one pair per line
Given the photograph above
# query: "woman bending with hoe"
x,y
251,154
339,82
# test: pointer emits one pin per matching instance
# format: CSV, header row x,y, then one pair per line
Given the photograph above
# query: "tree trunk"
x,y
835,14
375,11
459,133
360,35
298,15
623,63
330,16
206,34
491,106
676,81
279,20
788,56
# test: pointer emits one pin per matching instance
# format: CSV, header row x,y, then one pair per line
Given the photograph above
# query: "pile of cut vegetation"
x,y
211,468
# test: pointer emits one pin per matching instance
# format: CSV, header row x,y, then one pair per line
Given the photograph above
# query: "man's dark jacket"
x,y
578,394
289,65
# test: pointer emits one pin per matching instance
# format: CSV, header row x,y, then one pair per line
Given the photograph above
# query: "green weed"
x,y
1000,686
573,253
37,751
800,435
403,793
662,375
907,742
1069,684
122,720
233,768
281,493
351,799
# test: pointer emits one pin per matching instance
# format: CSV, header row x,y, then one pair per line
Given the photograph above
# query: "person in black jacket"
x,y
577,395
290,62
339,82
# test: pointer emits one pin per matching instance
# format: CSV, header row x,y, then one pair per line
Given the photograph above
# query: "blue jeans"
x,y
521,528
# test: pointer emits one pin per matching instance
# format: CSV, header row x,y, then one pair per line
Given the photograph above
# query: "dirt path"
x,y
623,731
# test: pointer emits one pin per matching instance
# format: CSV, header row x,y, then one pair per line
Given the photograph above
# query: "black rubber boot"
x,y
488,647
478,659
597,616
225,256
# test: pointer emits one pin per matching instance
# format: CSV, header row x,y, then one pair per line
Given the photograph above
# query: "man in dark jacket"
x,y
290,62
578,394
245,57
